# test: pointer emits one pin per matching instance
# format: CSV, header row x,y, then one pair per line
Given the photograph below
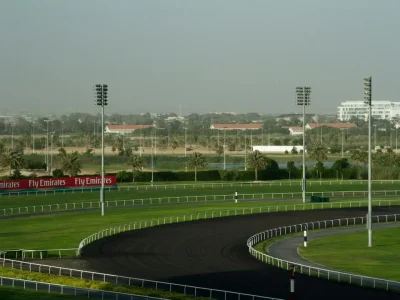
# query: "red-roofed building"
x,y
236,126
123,129
294,130
334,125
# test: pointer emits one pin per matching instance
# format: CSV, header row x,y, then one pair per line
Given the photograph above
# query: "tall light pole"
x,y
245,150
155,139
51,150
185,138
368,101
224,147
33,137
47,145
342,143
101,95
303,99
12,136
62,134
152,157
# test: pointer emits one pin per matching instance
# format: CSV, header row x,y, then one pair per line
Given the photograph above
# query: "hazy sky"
x,y
207,55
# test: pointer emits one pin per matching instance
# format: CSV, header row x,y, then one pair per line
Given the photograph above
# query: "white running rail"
x,y
130,281
188,199
198,186
321,272
70,290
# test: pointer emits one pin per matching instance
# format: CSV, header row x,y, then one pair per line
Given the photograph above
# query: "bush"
x,y
58,173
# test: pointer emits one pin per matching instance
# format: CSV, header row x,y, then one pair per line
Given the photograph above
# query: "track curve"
x,y
212,253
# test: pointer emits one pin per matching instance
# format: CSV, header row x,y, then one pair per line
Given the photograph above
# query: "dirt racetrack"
x,y
213,253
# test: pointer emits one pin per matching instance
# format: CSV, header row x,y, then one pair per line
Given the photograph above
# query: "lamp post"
x,y
33,137
155,139
47,145
303,99
245,150
342,143
152,157
224,147
368,101
101,95
62,134
51,151
12,136
185,138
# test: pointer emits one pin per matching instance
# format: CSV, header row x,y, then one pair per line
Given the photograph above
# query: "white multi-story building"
x,y
383,110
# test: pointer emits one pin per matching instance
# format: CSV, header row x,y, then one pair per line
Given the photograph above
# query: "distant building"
x,y
124,129
171,119
294,130
333,125
277,149
288,117
253,126
382,110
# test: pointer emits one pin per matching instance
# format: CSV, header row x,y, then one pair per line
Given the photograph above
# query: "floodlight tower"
x,y
368,101
101,94
303,99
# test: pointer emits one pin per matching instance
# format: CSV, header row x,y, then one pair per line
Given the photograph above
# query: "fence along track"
x,y
187,199
196,186
41,253
130,281
70,290
321,272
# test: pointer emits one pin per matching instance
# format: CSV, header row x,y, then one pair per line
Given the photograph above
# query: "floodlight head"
x,y
303,95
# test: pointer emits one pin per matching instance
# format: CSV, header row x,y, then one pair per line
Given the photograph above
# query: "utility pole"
x,y
12,136
62,134
185,139
368,101
47,145
245,150
101,95
33,137
224,146
342,143
303,99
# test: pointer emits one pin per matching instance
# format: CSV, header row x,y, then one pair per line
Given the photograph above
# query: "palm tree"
x,y
318,154
11,159
256,162
197,161
136,163
70,164
339,165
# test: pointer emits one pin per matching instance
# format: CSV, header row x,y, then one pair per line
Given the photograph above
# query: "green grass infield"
x,y
271,192
64,231
349,253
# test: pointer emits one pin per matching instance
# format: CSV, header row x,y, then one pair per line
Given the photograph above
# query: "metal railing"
x,y
44,253
187,199
70,290
195,186
225,213
321,272
37,253
130,281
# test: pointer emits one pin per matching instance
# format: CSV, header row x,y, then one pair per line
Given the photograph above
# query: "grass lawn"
x,y
9,293
67,230
349,253
124,194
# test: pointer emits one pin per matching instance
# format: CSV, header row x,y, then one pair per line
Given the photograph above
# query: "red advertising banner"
x,y
53,183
